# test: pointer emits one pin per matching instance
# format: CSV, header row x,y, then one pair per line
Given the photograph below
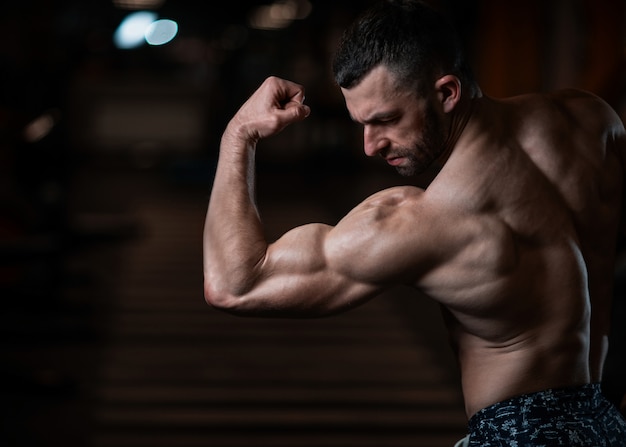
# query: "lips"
x,y
394,161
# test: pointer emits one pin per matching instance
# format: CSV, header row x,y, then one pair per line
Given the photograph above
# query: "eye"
x,y
389,117
387,121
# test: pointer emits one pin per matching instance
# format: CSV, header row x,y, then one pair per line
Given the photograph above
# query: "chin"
x,y
407,171
411,169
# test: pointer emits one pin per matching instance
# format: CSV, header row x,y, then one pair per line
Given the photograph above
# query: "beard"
x,y
423,153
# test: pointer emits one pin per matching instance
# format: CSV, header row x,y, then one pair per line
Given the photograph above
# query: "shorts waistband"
x,y
580,399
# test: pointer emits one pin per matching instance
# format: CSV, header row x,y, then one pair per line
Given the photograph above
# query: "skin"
x,y
514,237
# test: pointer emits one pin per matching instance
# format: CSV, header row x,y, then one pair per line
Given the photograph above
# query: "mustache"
x,y
395,152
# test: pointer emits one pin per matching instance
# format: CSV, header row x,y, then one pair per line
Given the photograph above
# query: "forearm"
x,y
234,242
235,249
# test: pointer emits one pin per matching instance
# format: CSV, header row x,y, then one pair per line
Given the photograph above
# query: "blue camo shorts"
x,y
573,417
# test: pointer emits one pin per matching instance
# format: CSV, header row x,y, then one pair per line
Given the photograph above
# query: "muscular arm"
x,y
303,273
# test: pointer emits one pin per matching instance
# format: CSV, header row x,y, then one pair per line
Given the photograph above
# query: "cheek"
x,y
408,135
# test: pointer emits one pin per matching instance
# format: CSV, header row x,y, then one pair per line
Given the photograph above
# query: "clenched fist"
x,y
276,104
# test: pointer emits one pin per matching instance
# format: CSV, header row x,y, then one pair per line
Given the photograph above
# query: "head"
x,y
412,39
417,51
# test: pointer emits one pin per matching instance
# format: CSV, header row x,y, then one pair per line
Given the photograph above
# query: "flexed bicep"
x,y
295,279
385,241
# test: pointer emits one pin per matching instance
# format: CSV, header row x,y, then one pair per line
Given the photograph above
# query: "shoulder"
x,y
570,104
390,210
395,199
586,109
384,208
571,120
385,238
593,117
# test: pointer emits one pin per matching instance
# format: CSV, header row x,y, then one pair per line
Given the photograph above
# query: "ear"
x,y
448,90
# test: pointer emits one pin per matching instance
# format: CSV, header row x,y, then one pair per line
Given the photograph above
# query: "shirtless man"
x,y
515,236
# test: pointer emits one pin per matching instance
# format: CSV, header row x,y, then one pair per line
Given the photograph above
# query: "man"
x,y
515,236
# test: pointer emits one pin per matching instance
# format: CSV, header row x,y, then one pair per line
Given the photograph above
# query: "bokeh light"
x,y
161,32
131,32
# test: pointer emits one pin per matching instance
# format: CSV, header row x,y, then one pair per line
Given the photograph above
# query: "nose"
x,y
373,141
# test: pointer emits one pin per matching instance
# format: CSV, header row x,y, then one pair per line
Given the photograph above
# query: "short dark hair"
x,y
415,41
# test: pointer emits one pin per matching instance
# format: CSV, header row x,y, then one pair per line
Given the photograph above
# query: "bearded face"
x,y
400,125
423,152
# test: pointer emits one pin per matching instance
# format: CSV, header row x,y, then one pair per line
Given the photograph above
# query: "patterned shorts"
x,y
573,417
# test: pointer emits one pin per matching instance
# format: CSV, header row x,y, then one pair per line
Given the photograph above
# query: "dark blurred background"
x,y
106,160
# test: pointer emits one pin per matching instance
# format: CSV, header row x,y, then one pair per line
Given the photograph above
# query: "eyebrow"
x,y
377,117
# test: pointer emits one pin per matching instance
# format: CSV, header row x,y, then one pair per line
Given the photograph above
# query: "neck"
x,y
457,123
